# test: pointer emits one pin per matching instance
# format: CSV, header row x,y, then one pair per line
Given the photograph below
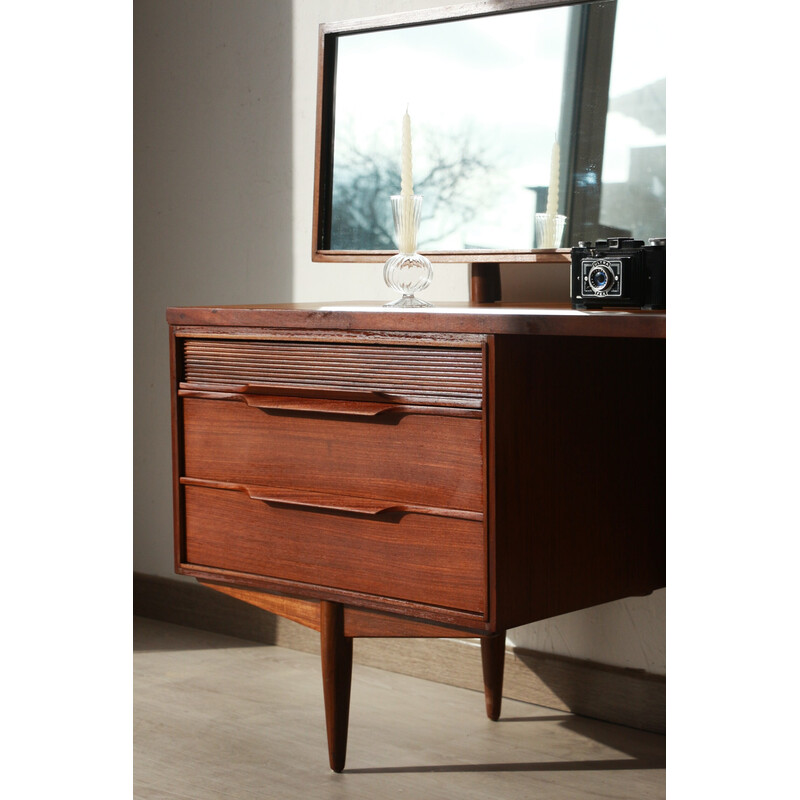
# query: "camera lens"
x,y
600,278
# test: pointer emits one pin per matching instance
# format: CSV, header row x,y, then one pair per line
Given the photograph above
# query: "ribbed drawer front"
x,y
434,375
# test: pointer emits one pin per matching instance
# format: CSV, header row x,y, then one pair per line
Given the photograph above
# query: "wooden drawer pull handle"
x,y
324,502
317,405
355,505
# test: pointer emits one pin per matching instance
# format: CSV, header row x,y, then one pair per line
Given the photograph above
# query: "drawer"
x,y
439,376
413,458
421,558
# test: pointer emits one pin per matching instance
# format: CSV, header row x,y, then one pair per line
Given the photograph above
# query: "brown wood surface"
x,y
176,410
412,459
578,460
450,318
305,612
545,497
414,557
446,376
337,668
484,283
358,622
361,623
323,501
529,257
493,659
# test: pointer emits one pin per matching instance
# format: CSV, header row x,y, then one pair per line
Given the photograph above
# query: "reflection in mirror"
x,y
488,97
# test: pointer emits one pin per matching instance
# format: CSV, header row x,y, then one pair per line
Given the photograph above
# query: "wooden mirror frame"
x,y
484,261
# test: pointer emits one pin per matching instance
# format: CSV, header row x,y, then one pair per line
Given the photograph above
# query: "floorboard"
x,y
221,718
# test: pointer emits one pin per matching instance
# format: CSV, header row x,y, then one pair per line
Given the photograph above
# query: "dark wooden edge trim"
x,y
311,401
323,501
176,416
331,336
469,620
458,257
612,694
554,320
489,523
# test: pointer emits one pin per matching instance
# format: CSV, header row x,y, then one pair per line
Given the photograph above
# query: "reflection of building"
x,y
647,105
639,204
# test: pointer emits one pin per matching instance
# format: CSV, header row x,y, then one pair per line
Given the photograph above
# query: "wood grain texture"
x,y
325,335
358,622
176,411
579,472
304,612
484,283
373,625
493,659
446,318
412,459
404,374
337,667
308,499
534,488
414,557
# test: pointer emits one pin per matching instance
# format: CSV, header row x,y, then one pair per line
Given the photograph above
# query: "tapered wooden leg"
x,y
493,652
337,669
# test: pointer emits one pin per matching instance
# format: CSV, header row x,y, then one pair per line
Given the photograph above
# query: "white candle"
x,y
552,191
406,181
407,240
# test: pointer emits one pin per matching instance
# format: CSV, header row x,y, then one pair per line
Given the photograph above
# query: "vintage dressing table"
x,y
451,472
466,469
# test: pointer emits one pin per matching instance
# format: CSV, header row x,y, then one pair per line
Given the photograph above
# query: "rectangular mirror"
x,y
489,93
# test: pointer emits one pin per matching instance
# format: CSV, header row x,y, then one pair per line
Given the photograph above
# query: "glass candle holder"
x,y
548,230
407,272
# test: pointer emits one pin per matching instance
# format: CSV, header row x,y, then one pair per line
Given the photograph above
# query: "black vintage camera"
x,y
619,273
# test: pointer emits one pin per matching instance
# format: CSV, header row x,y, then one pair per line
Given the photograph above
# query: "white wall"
x,y
212,201
225,104
325,282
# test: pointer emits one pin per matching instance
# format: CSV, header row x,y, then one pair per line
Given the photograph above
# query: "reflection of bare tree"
x,y
455,181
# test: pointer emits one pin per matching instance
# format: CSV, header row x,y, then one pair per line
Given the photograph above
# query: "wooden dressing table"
x,y
446,472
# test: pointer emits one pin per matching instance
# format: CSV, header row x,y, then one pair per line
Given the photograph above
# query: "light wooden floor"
x,y
218,718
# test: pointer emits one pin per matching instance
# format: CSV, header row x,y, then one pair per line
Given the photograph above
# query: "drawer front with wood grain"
x,y
412,557
413,458
438,376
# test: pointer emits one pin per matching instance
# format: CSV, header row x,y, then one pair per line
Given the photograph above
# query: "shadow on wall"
x,y
212,201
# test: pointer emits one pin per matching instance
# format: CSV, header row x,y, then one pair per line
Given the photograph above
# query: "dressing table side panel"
x,y
579,450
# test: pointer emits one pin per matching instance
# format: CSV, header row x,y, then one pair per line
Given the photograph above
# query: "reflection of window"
x,y
614,121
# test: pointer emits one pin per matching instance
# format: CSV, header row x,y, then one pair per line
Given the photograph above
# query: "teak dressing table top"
x,y
453,471
459,317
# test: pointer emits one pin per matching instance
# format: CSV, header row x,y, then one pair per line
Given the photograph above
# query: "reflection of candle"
x,y
406,181
552,192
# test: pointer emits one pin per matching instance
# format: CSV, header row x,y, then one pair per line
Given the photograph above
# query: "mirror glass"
x,y
488,97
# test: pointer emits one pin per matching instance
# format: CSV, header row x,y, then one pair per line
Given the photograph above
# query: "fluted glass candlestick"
x,y
548,230
407,272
